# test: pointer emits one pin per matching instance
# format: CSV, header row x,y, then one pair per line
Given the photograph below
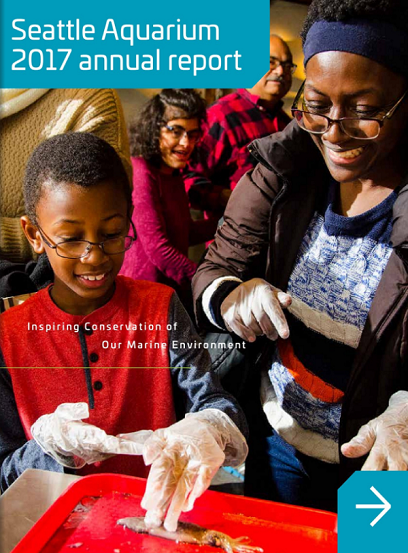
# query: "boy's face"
x,y
70,212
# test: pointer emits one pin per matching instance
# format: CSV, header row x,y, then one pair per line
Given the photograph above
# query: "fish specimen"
x,y
192,533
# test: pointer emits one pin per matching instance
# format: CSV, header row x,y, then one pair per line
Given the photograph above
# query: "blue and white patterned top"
x,y
333,282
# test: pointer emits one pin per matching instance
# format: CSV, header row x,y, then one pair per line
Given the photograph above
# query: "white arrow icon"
x,y
385,506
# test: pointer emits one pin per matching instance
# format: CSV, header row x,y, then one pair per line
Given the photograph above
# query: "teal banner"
x,y
133,44
373,512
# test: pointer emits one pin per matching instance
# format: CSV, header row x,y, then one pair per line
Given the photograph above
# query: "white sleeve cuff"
x,y
208,294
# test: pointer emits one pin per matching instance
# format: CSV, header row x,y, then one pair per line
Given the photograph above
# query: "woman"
x,y
162,141
324,218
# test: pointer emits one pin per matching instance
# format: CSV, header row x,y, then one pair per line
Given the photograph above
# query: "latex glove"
x,y
255,308
386,436
185,458
74,443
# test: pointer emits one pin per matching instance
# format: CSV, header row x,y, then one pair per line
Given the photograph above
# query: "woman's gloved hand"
x,y
255,308
386,436
184,458
74,443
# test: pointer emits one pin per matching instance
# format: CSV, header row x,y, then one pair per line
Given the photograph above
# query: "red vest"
x,y
132,387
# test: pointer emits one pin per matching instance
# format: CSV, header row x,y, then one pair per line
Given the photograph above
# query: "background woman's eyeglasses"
x,y
361,128
178,132
77,249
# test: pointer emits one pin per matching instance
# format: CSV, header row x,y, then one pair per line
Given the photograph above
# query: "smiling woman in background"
x,y
162,141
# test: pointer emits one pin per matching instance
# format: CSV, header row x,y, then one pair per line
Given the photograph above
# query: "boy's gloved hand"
x,y
255,308
386,436
74,443
184,458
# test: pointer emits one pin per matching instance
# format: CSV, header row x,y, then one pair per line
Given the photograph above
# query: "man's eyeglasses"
x,y
361,128
178,132
77,249
287,66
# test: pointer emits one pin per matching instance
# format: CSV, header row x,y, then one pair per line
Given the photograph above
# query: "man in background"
x,y
234,121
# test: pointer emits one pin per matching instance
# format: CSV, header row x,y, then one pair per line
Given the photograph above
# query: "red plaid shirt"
x,y
233,123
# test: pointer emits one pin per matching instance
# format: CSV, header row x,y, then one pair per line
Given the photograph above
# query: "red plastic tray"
x,y
92,528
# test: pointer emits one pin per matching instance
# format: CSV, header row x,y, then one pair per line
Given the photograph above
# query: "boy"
x,y
96,338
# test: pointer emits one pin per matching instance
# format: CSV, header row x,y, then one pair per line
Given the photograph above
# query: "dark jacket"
x,y
24,278
265,222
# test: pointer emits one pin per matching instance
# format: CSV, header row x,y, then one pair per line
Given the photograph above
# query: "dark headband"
x,y
377,40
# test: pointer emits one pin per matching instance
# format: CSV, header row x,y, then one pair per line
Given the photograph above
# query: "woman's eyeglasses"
x,y
361,128
178,132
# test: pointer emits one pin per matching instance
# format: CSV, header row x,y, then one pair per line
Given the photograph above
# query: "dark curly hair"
x,y
392,11
170,103
80,158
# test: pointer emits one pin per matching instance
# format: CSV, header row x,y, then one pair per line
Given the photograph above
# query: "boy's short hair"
x,y
80,158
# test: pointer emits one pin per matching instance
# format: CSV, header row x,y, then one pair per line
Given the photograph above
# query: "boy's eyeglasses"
x,y
178,132
77,249
287,66
361,128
